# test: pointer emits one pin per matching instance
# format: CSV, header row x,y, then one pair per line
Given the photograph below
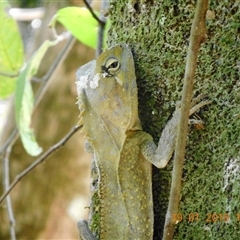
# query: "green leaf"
x,y
80,22
7,86
24,100
11,51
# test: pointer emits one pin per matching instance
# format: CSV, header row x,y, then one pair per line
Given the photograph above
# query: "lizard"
x,y
123,152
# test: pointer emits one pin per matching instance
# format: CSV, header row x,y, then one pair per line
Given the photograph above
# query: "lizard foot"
x,y
196,104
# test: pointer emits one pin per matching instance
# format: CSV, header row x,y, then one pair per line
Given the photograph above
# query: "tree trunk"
x,y
158,32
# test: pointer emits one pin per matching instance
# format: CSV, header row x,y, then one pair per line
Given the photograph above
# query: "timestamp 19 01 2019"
x,y
209,217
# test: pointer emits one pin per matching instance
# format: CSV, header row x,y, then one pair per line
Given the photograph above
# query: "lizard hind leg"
x,y
84,231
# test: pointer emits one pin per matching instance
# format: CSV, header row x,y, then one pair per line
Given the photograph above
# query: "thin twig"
x,y
6,186
101,28
93,13
198,32
45,81
52,70
41,159
9,74
58,61
11,139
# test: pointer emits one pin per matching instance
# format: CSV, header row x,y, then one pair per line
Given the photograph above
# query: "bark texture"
x,y
158,32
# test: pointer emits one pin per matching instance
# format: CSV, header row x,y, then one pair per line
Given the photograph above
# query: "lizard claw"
x,y
197,99
198,106
195,104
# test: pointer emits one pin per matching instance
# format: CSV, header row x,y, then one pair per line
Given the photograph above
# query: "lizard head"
x,y
107,91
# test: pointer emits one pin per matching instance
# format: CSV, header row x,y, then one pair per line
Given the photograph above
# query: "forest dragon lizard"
x,y
123,152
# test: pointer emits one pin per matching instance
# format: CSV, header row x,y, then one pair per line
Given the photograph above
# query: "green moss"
x,y
95,222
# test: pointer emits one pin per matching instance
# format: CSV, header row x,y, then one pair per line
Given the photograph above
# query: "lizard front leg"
x,y
161,154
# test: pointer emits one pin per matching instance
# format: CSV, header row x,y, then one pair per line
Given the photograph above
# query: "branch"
x,y
101,29
26,14
6,186
197,36
93,13
9,74
53,69
41,159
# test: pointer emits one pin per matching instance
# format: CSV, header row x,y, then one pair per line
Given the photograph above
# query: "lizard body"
x,y
123,152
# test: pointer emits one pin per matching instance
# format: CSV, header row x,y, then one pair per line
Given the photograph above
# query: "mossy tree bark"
x,y
158,32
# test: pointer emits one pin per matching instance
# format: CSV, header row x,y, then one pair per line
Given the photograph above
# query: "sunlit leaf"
x,y
24,100
80,22
11,50
7,86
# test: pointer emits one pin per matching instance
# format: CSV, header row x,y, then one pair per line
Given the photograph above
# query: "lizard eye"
x,y
111,66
